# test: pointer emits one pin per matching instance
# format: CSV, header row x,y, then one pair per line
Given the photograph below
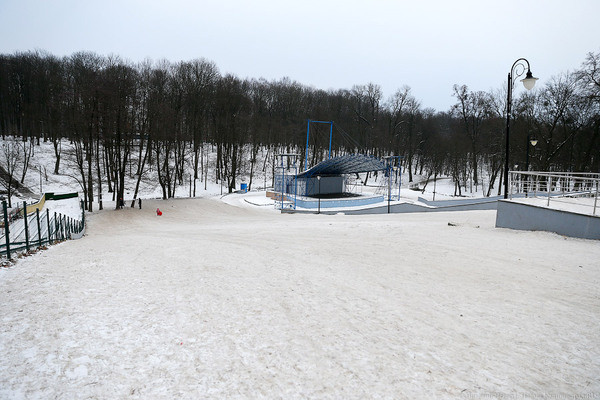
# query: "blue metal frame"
x,y
308,135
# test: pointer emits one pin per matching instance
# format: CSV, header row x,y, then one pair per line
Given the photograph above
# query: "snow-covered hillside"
x,y
214,300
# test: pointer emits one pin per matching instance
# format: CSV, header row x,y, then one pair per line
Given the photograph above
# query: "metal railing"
x,y
561,187
21,232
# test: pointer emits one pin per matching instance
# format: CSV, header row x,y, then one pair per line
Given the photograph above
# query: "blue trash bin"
x,y
244,187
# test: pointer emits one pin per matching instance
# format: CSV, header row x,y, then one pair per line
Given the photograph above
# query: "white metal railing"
x,y
560,186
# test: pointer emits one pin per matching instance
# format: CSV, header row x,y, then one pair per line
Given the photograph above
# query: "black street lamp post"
x,y
533,142
528,82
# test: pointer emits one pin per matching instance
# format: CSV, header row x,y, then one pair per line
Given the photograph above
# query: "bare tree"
x,y
10,158
26,148
472,108
555,112
588,80
405,110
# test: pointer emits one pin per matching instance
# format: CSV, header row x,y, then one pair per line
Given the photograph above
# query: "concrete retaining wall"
x,y
31,208
534,218
407,208
460,201
412,208
341,202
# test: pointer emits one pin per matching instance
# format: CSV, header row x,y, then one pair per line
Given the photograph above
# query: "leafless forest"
x,y
121,116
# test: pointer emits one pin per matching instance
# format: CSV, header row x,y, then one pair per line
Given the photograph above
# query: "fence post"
x,y
549,184
56,226
596,197
58,220
26,222
6,229
48,223
55,234
82,213
37,215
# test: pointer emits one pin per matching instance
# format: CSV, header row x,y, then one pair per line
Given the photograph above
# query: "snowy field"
x,y
228,300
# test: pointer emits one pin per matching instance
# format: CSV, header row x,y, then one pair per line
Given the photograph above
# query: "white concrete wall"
x,y
534,218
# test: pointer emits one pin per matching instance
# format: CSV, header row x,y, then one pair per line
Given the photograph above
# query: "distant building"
x,y
331,173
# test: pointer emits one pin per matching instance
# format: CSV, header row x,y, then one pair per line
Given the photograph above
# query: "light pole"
x,y
319,179
533,142
528,82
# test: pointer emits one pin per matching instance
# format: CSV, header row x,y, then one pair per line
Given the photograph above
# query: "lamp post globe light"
x,y
517,69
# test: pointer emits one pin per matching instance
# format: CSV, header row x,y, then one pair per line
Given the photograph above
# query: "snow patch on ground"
x,y
69,207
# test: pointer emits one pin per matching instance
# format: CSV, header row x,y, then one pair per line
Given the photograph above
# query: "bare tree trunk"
x,y
57,151
140,172
108,170
197,149
27,147
253,155
206,169
90,185
99,174
500,185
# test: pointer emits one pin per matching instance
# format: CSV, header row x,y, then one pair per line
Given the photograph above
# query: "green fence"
x,y
25,232
63,196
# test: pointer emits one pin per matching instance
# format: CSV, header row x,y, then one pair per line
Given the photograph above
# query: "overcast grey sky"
x,y
428,45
